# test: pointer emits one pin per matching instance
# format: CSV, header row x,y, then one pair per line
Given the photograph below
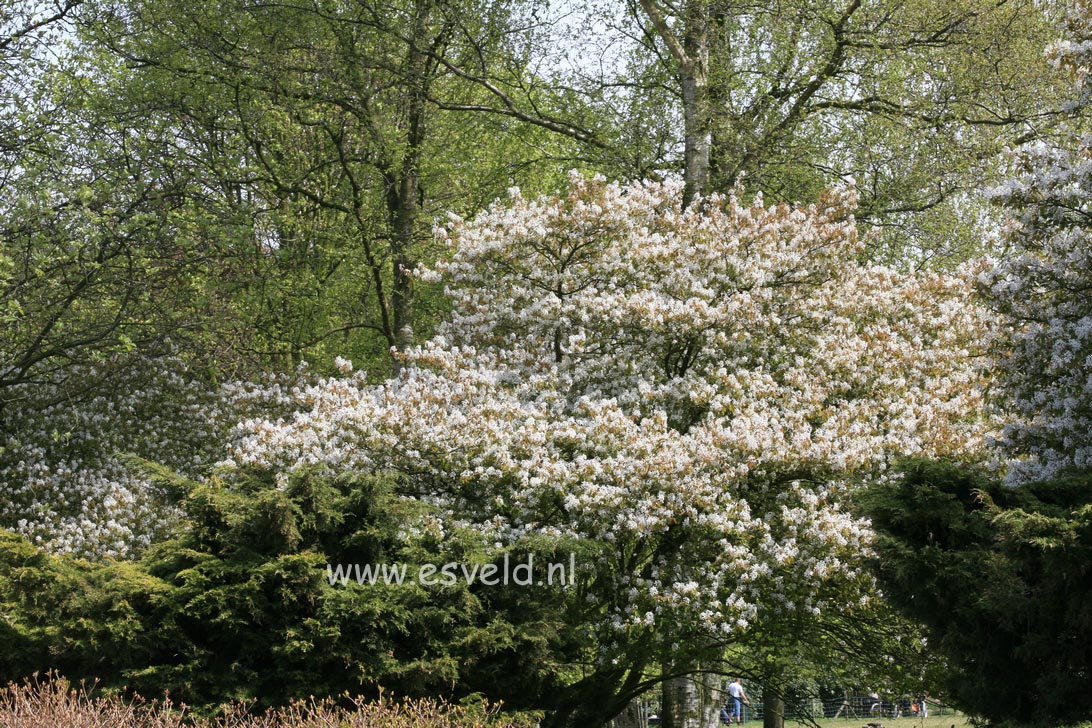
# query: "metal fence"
x,y
850,709
854,708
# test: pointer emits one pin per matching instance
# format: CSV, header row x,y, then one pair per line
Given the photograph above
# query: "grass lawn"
x,y
933,721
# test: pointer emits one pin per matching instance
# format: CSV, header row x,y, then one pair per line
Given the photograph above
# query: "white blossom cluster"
x,y
687,388
1043,288
64,481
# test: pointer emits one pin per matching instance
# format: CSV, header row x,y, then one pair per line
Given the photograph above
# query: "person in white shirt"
x,y
737,698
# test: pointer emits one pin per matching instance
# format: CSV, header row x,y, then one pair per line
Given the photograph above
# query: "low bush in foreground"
x,y
55,703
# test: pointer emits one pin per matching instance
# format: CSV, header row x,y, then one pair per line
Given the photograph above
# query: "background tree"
x,y
102,279
913,100
1041,286
84,231
348,128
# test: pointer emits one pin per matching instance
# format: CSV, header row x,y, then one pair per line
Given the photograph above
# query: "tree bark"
x,y
668,709
404,187
773,704
691,54
631,717
698,138
697,108
689,701
711,699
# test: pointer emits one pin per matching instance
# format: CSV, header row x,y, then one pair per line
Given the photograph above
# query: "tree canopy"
x,y
684,391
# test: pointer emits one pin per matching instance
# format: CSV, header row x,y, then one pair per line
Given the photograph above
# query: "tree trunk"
x,y
688,695
689,701
405,225
631,717
773,704
697,114
698,139
711,699
404,188
668,709
691,54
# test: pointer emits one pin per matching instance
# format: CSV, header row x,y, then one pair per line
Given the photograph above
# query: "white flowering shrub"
x,y
64,479
688,390
1042,288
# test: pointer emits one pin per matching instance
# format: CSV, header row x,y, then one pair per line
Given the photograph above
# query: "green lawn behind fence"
x,y
933,721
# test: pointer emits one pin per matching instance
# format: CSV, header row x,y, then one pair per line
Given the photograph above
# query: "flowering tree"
x,y
1046,355
66,476
681,392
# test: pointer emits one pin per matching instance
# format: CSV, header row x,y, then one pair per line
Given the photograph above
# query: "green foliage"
x,y
1000,576
252,615
27,576
86,618
248,185
239,606
328,137
89,248
913,99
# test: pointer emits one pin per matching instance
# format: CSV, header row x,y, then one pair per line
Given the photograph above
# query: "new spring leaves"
x,y
684,389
